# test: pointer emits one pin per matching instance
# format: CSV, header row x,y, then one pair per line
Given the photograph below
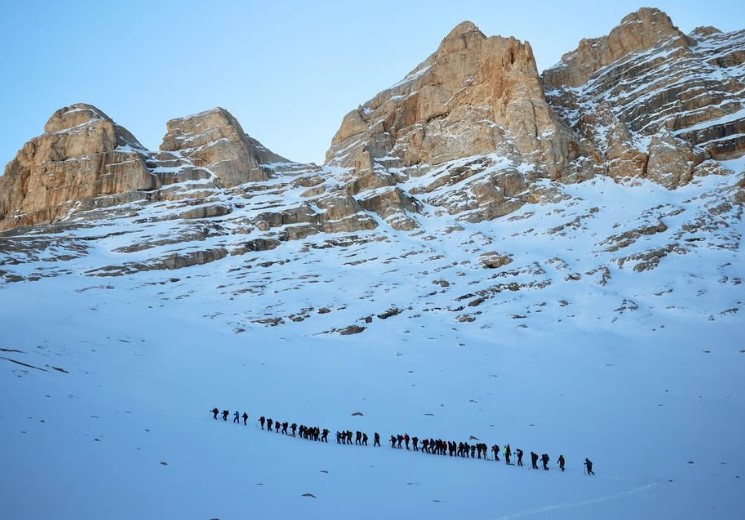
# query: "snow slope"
x,y
106,382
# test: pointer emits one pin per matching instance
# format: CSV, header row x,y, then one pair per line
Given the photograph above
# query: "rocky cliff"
x,y
654,102
474,96
214,140
473,132
82,154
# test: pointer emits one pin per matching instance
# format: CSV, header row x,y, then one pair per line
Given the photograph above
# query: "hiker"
x,y
269,423
519,456
393,441
277,426
293,428
406,440
215,411
261,421
349,437
358,438
284,427
415,441
534,459
364,439
376,442
588,463
561,462
236,417
495,450
507,453
473,451
544,460
225,414
245,418
325,436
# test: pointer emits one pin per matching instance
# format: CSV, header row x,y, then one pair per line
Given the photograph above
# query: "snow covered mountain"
x,y
489,255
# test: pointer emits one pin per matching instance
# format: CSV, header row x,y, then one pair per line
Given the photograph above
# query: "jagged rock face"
x,y
469,133
474,96
637,32
654,102
82,154
214,140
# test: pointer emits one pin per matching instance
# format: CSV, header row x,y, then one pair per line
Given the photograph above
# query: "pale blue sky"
x,y
288,71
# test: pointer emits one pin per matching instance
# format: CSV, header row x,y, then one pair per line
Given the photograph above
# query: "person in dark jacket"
x,y
262,420
507,453
561,462
364,439
544,460
293,428
393,441
325,435
495,451
519,456
534,459
376,441
245,418
225,414
269,423
215,411
588,464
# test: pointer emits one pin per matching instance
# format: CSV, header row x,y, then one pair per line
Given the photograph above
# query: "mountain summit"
x,y
472,131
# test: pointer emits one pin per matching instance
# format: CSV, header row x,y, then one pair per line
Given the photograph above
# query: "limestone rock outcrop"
x,y
654,102
214,140
82,154
637,31
472,133
474,96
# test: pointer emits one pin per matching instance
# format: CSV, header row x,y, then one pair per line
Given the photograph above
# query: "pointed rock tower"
x,y
82,154
214,140
475,95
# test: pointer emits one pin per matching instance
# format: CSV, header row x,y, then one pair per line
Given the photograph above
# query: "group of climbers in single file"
x,y
427,445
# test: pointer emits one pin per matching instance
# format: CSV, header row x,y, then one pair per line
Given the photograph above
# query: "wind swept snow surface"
x,y
107,382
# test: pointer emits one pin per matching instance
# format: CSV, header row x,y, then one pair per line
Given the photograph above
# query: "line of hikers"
x,y
432,446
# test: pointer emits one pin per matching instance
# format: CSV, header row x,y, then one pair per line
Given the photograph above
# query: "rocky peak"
x,y
81,115
82,155
475,95
704,32
459,37
215,140
637,31
654,102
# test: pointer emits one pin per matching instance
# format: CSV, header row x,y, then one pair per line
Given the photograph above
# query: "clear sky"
x,y
288,71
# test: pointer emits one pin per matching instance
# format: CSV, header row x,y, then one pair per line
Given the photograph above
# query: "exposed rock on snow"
x,y
215,141
82,154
